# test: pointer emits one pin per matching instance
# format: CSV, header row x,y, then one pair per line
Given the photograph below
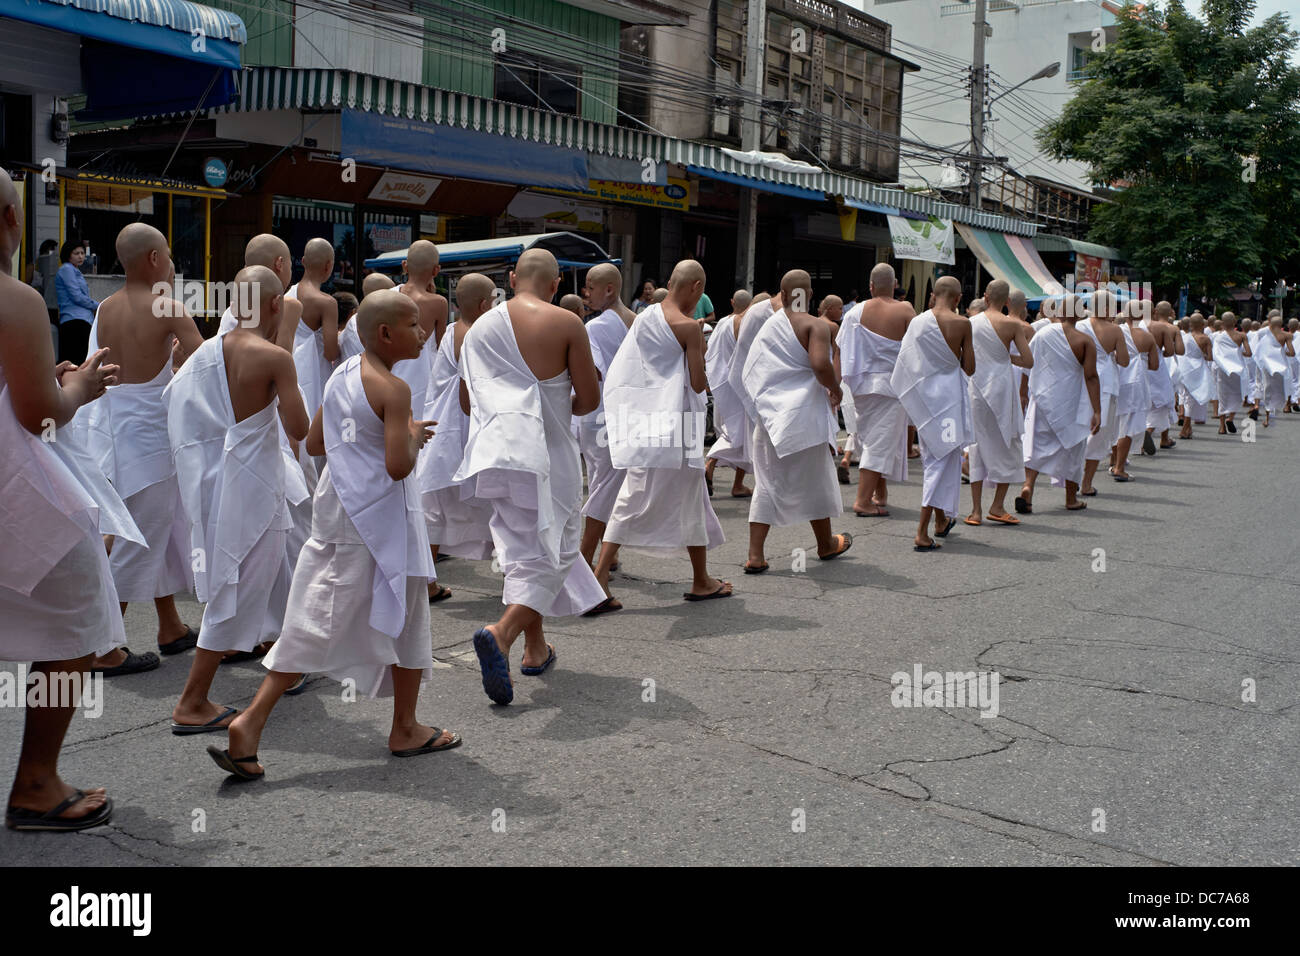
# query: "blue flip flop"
x,y
212,726
495,667
541,668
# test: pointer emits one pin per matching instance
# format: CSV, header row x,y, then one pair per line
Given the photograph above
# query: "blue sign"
x,y
673,191
214,172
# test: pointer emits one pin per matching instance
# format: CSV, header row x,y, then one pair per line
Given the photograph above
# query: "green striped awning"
x,y
277,88
1013,259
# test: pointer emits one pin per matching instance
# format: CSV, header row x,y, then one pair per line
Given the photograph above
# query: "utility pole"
x,y
750,134
977,80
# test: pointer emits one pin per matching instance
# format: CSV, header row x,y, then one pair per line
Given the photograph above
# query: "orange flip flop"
x,y
1004,519
973,522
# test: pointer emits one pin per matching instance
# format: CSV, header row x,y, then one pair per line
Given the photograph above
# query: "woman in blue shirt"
x,y
76,307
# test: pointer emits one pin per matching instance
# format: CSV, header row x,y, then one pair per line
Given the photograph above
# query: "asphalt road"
x,y
771,737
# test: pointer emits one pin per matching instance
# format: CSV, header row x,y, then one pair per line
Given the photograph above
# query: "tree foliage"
x,y
1197,125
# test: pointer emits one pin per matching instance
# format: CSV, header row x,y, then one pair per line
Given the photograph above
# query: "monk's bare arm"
x,y
439,319
316,436
1093,383
464,397
1153,355
819,357
1121,350
692,338
1179,348
402,434
27,357
1026,358
293,413
329,326
582,368
285,335
181,324
967,350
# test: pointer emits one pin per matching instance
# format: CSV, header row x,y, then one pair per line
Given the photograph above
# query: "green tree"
x,y
1197,126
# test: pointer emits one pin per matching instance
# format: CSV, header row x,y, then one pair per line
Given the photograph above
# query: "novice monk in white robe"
x,y
349,340
126,434
997,455
791,381
728,409
1160,381
761,308
602,294
224,415
357,607
1064,409
456,521
1230,351
654,409
271,251
868,342
1112,355
316,337
1196,375
526,370
1293,363
1270,359
1134,387
421,267
57,601
934,359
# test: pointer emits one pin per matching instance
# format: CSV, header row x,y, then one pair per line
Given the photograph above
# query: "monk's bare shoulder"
x,y
17,297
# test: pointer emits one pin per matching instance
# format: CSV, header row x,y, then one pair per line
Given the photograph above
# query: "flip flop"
x,y
184,730
721,592
231,765
1089,494
539,670
1122,477
20,818
256,654
867,514
974,522
1080,507
756,568
1232,426
1023,507
932,546
842,473
495,667
183,643
1148,444
1253,414
298,686
439,595
429,747
134,664
745,494
848,543
604,607
947,528
1004,519
1171,444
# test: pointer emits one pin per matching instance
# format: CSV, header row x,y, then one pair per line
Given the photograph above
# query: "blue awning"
x,y
872,207
174,28
780,189
453,151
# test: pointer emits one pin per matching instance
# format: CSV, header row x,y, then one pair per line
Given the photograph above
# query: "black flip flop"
x,y
756,568
848,543
1023,507
1122,477
231,765
240,656
863,514
1232,426
134,664
183,643
947,528
212,726
298,686
540,669
1089,494
429,747
440,595
20,818
932,546
721,592
604,607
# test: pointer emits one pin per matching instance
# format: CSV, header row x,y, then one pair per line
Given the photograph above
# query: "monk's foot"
x,y
419,737
199,716
259,651
975,518
244,738
1076,506
739,490
870,512
43,799
839,544
710,586
114,657
879,502
167,640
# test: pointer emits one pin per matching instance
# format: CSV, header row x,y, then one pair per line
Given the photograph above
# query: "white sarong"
x,y
997,454
866,363
1060,412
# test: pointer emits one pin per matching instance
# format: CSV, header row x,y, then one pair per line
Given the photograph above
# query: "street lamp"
x,y
1050,70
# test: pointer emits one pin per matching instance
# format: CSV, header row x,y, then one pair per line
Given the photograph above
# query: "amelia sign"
x,y
404,188
929,240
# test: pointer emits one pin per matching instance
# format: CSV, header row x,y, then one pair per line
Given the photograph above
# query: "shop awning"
x,y
569,249
764,185
399,143
176,28
1012,258
1046,243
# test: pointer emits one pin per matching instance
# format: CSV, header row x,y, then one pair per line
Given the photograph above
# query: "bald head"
x,y
475,294
1275,321
1104,304
1164,311
421,260
1017,304
740,300
659,295
606,274
1229,320
537,267
318,259
264,249
385,307
883,281
947,290
257,298
573,303
375,282
685,273
796,291
1197,322
976,307
996,294
138,241
832,307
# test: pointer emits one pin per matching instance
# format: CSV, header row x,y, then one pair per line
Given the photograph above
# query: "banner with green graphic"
x,y
929,240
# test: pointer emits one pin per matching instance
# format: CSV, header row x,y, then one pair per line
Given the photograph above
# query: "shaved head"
x,y
318,256
976,306
883,280
385,307
537,266
947,290
136,241
996,294
659,295
684,273
1275,321
1017,305
606,274
473,292
256,289
1103,304
374,282
8,194
573,303
11,222
740,300
1163,309
421,258
264,249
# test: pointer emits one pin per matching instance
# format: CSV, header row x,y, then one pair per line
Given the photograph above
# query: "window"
x,y
536,82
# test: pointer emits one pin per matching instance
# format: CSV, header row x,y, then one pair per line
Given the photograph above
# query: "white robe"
x,y
755,318
605,333
416,373
232,480
997,454
1160,388
933,388
358,604
662,504
522,457
1134,391
866,363
57,598
1108,375
794,432
1229,373
729,421
1060,412
1195,379
456,521
1271,361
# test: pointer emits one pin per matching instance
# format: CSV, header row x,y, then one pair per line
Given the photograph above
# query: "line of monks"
x,y
303,470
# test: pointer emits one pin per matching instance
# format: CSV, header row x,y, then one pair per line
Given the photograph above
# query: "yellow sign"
x,y
674,195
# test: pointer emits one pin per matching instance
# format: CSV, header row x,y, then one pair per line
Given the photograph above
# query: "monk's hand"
x,y
834,398
64,366
1095,425
91,379
422,431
